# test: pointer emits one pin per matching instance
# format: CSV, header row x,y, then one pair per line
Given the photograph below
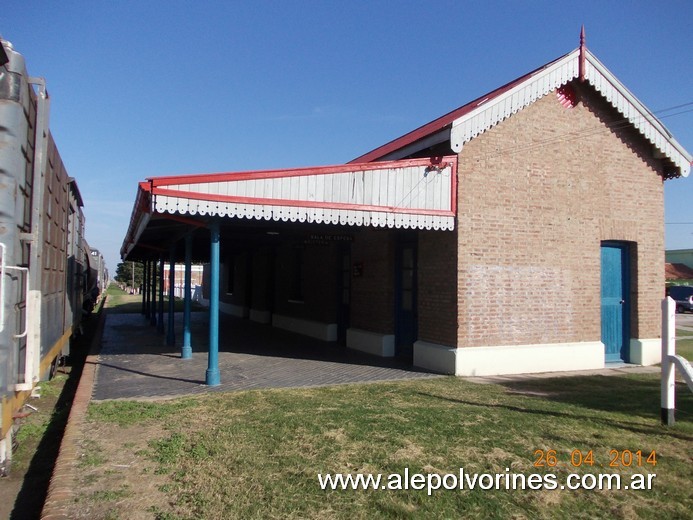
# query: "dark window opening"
x,y
297,279
230,274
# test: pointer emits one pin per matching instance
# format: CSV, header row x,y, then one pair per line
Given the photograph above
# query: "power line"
x,y
617,124
676,113
674,107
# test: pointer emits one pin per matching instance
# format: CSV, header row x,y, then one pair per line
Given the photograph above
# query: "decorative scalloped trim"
x,y
490,113
173,205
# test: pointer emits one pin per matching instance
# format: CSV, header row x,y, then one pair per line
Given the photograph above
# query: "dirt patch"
x,y
40,432
38,440
114,469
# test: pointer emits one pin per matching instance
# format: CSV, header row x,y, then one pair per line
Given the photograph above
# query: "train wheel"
x,y
54,368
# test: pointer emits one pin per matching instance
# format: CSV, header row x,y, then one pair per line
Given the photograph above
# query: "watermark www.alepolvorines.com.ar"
x,y
485,481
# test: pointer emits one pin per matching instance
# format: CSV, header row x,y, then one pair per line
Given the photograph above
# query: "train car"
x,y
44,259
98,264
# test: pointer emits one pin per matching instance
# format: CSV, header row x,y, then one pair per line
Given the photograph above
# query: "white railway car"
x,y
44,257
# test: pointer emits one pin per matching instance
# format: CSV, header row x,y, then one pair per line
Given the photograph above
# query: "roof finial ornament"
x,y
583,48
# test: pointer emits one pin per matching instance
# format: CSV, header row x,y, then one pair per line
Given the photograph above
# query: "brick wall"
x,y
437,287
537,195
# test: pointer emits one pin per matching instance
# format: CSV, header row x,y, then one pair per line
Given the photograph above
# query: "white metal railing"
x,y
29,349
670,362
4,267
3,248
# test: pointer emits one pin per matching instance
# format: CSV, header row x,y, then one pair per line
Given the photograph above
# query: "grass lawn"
x,y
257,454
121,302
684,346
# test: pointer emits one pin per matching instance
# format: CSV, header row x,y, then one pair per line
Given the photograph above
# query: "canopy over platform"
x,y
413,194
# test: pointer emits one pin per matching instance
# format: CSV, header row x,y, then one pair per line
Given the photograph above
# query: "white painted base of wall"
x,y
260,316
435,357
239,311
645,351
382,345
314,329
509,359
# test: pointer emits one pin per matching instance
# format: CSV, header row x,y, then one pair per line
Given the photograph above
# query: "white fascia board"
x,y
488,114
144,222
637,114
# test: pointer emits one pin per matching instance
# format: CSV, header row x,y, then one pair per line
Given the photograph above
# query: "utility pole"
x,y
132,264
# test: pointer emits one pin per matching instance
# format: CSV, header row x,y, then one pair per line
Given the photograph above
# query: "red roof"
x,y
444,121
678,272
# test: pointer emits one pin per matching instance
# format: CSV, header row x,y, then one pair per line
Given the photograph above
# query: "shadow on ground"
x,y
32,495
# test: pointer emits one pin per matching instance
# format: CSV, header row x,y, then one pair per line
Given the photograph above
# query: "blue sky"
x,y
150,87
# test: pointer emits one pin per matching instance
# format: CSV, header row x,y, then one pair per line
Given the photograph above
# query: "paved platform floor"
x,y
135,363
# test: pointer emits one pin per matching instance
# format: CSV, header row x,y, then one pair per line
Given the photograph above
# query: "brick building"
x,y
522,232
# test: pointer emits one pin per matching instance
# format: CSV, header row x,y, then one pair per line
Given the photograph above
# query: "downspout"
x,y
33,302
186,352
170,331
581,59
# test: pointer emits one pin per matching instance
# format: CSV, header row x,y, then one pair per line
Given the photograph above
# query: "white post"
x,y
668,369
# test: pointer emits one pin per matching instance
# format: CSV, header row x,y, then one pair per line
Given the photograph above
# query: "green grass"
x,y
109,495
93,456
684,344
34,427
257,454
684,347
121,302
126,413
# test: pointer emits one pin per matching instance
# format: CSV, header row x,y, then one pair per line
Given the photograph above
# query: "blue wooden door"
x,y
615,288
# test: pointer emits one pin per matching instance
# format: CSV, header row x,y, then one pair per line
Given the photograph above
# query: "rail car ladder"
x,y
29,360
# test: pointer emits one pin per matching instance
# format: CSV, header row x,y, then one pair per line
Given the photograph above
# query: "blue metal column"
x,y
144,278
186,353
152,288
145,289
171,333
160,320
148,290
212,376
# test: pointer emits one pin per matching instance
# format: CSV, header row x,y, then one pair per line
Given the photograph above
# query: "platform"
x,y
135,363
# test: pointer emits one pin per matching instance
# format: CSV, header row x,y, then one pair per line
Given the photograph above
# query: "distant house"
x,y
675,272
680,256
196,273
522,232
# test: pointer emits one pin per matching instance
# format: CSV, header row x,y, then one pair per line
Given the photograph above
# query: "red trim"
x,y
294,172
453,188
581,60
147,246
444,121
296,203
183,220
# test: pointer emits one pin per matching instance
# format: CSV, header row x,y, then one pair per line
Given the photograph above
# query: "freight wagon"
x,y
44,257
